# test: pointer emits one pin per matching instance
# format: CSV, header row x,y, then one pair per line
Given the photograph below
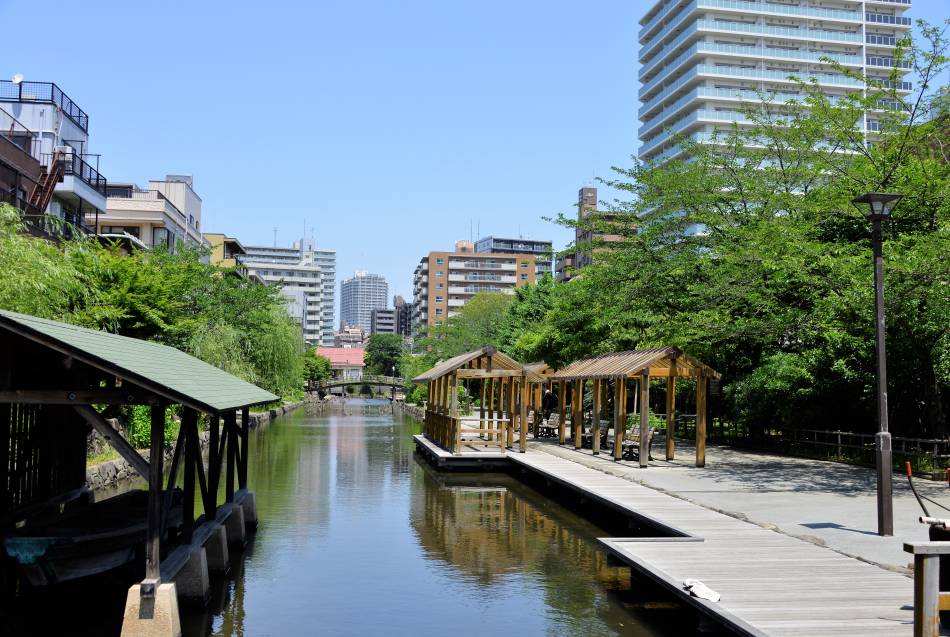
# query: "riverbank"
x,y
111,473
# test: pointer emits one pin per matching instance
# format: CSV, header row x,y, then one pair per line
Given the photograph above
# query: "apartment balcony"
x,y
666,69
743,7
696,117
885,18
457,302
44,93
481,265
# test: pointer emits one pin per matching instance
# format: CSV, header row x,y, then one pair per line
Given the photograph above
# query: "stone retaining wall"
x,y
416,411
113,472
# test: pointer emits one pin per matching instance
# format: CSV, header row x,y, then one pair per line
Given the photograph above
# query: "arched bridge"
x,y
377,381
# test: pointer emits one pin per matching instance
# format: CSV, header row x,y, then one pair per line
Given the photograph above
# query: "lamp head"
x,y
880,204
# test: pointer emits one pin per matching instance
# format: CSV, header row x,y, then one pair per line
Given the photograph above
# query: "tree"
x,y
383,354
477,324
315,367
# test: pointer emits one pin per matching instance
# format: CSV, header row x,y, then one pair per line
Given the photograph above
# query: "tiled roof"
x,y
343,356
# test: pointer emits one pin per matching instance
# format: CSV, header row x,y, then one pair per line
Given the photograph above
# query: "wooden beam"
x,y
484,373
115,440
644,418
701,384
670,417
595,412
76,397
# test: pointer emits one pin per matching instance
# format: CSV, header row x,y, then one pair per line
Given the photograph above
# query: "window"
x,y
439,274
524,264
524,277
439,299
439,261
132,230
439,311
439,286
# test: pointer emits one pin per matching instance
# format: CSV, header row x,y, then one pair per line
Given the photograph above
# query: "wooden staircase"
x,y
52,175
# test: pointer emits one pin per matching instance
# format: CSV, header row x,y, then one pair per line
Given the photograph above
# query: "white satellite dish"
x,y
17,78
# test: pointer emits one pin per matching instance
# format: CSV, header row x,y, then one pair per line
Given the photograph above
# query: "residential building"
x,y
403,316
345,362
444,282
59,139
703,60
354,336
165,214
383,321
227,252
543,251
588,235
301,275
20,168
359,296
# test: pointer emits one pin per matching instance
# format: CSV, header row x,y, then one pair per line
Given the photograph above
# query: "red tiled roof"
x,y
346,356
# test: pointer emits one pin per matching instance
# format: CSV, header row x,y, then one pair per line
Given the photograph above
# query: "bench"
x,y
587,438
549,428
631,444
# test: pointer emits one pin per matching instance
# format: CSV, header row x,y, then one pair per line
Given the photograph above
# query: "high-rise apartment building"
x,y
302,273
444,282
359,296
543,251
403,316
383,321
702,60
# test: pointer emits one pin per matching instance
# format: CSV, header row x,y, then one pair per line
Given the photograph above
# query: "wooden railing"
x,y
929,600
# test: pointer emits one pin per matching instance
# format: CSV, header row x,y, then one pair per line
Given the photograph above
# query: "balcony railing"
x,y
884,18
886,60
45,92
137,194
881,40
19,135
75,165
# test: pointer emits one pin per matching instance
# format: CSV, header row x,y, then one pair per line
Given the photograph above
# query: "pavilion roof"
x,y
498,361
660,361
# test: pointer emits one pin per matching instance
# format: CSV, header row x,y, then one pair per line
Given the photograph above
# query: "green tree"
x,y
383,353
477,324
315,367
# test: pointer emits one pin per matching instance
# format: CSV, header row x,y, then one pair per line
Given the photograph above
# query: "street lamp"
x,y
880,205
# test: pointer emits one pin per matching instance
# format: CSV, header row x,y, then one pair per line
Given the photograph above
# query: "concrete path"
x,y
826,503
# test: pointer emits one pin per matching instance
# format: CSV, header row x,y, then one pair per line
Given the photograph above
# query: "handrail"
x,y
394,381
46,92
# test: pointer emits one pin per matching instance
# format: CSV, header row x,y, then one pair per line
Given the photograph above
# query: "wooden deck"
x,y
770,584
469,458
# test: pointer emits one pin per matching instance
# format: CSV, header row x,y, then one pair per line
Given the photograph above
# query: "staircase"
x,y
52,175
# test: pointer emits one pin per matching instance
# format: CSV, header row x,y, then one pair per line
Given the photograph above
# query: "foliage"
x,y
139,423
175,299
315,367
383,353
477,324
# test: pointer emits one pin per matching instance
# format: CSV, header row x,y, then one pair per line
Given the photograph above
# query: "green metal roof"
x,y
155,367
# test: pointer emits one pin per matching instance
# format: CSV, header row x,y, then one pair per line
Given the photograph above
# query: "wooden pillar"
x,y
620,415
671,414
491,407
245,439
154,521
578,418
701,385
481,408
595,413
561,412
525,398
189,425
214,468
512,407
644,418
230,454
538,408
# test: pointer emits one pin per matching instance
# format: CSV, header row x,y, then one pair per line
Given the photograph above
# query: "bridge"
x,y
326,384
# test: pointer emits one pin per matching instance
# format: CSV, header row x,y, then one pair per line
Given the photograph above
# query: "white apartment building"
x,y
359,296
165,214
702,59
59,130
306,277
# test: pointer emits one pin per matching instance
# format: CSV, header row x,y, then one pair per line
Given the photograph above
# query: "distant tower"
x,y
586,202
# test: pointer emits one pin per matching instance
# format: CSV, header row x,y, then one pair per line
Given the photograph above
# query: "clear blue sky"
x,y
388,127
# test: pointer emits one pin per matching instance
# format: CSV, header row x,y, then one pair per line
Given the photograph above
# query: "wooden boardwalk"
x,y
770,584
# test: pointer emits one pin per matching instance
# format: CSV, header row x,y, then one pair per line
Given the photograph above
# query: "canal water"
x,y
359,536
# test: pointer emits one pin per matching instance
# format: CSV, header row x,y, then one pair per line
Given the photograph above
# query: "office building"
x,y
359,296
52,129
703,60
543,251
444,282
383,321
301,272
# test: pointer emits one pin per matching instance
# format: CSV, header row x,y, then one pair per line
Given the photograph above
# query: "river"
x,y
359,536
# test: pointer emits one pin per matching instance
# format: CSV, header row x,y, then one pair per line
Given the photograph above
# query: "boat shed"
x,y
55,381
619,367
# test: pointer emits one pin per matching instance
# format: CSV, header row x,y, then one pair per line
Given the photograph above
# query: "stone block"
x,y
249,506
157,617
192,581
237,532
216,550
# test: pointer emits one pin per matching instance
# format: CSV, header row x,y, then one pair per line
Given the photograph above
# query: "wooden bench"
x,y
549,428
587,438
631,444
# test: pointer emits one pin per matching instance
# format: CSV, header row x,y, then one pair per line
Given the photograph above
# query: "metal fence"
x,y
46,92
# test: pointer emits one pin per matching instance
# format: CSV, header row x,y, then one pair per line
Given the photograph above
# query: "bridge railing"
x,y
369,379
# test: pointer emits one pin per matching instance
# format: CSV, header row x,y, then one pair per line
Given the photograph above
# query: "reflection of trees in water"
x,y
490,531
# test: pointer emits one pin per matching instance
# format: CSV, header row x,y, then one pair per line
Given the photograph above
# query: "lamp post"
x,y
880,205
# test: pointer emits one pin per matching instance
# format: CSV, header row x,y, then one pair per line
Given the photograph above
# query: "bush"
x,y
139,423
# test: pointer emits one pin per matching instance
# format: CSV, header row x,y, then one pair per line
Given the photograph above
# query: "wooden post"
x,y
245,436
454,418
561,412
230,454
214,468
926,595
491,408
189,423
645,418
538,408
525,398
671,414
512,402
595,413
578,417
701,384
154,522
481,408
620,415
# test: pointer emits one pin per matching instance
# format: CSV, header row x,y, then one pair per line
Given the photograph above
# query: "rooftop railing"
x,y
75,165
45,92
137,194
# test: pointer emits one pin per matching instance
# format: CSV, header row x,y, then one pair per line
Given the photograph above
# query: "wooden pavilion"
x,y
505,393
617,369
52,378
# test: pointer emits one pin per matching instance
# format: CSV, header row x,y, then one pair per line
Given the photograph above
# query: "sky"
x,y
386,129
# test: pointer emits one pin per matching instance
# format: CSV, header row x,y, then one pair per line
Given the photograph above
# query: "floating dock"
x,y
770,584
